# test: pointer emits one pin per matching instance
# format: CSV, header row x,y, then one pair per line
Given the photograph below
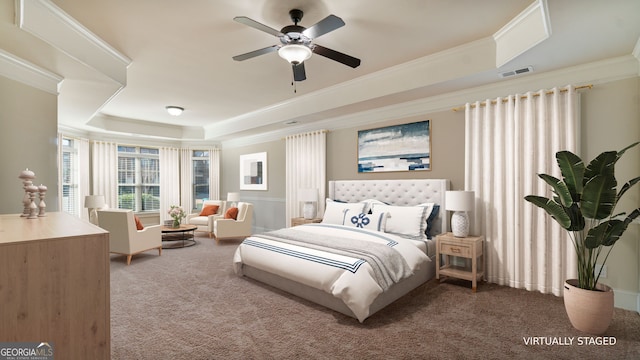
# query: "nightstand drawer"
x,y
455,250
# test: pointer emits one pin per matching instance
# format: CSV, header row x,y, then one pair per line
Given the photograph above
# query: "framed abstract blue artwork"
x,y
405,147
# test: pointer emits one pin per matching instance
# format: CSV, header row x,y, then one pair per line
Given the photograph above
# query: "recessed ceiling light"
x,y
174,110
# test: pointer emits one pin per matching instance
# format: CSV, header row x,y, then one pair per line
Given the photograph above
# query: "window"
x,y
70,177
138,178
200,177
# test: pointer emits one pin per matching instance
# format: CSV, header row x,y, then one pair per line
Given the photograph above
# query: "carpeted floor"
x,y
188,304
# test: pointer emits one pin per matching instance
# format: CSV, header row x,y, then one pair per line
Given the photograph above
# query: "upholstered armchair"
x,y
203,220
124,237
235,228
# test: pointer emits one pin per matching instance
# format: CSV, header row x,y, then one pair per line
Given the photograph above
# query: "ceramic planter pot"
x,y
589,311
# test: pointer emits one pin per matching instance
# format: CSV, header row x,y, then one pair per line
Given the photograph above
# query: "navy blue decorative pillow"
x,y
430,219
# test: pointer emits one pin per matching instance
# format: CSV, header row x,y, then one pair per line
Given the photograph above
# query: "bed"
x,y
373,246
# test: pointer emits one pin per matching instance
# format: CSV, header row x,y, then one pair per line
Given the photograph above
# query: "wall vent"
x,y
525,70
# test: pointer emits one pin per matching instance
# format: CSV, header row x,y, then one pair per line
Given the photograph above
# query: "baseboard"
x,y
626,300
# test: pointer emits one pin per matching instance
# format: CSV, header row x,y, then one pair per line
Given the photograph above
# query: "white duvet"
x,y
348,278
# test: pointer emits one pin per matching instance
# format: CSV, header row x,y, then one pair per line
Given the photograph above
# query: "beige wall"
x,y
269,205
447,151
611,121
28,130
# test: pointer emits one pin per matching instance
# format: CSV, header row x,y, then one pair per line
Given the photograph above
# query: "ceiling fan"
x,y
296,42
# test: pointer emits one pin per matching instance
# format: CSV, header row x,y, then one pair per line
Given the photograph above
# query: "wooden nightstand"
x,y
469,247
299,221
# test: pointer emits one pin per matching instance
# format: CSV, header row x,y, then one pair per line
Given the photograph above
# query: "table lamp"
x,y
309,197
233,197
93,203
460,202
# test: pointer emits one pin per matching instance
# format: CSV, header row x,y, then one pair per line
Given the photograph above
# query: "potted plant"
x,y
584,202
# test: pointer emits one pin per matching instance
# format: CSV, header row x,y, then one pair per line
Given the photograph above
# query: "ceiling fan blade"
x,y
323,26
255,53
256,25
337,56
298,72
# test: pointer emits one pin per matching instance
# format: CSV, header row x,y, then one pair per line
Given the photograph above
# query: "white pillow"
x,y
334,211
375,221
407,221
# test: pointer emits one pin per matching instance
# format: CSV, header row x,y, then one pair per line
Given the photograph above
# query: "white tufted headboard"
x,y
395,192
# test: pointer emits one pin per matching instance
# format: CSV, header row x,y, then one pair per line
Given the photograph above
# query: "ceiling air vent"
x,y
510,73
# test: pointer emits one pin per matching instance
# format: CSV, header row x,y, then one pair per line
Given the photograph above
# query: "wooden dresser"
x,y
54,284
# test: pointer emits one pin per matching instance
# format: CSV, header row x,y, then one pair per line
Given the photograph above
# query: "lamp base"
x,y
460,224
93,216
308,210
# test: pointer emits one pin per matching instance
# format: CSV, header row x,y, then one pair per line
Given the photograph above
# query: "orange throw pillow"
x,y
209,210
139,225
232,213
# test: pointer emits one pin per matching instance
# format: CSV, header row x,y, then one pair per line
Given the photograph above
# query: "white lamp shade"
x,y
233,196
459,200
94,201
308,195
294,53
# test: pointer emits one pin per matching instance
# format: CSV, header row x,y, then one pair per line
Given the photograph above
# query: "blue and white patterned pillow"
x,y
374,221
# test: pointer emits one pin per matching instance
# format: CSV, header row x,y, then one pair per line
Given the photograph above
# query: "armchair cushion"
x,y
139,225
232,213
209,210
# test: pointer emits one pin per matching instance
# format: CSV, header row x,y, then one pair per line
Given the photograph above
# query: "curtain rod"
x,y
314,132
581,87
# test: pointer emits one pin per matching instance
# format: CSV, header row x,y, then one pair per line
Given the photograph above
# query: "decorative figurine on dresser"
x,y
31,192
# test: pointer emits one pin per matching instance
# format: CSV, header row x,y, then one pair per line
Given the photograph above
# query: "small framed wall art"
x,y
405,147
253,171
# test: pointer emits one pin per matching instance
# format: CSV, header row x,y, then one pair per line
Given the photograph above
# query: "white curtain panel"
x,y
105,171
83,168
508,142
214,173
306,168
169,181
186,179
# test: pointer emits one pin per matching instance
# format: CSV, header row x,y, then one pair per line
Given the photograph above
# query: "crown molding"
x,y
599,72
21,70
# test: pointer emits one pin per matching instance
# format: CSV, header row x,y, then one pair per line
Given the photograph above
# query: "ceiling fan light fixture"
x,y
174,110
294,53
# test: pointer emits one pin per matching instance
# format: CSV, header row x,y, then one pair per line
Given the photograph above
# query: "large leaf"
x,y
627,186
599,197
617,228
603,164
572,169
577,220
627,148
552,208
597,235
559,188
